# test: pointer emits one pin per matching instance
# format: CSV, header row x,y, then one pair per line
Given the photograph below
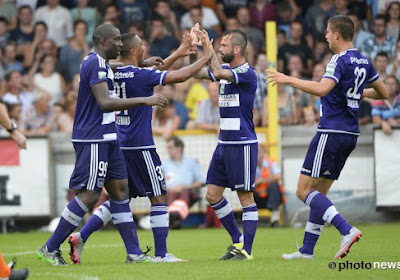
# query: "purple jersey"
x,y
134,125
90,123
236,101
350,71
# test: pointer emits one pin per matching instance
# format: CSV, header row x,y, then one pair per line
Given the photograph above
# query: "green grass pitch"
x,y
104,256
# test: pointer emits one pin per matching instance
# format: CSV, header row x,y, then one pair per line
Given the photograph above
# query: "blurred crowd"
x,y
43,42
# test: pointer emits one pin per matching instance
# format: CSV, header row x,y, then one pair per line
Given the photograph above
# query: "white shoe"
x,y
346,242
169,258
297,256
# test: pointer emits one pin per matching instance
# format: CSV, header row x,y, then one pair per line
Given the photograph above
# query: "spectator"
x,y
163,9
393,20
268,194
180,109
261,91
23,34
308,100
74,86
286,108
316,16
340,8
320,50
4,35
208,113
14,111
50,81
72,54
38,119
10,58
65,120
286,17
260,12
295,46
364,112
112,15
58,20
88,14
308,115
134,10
386,113
228,8
280,38
360,35
160,41
196,94
380,41
393,67
203,15
15,93
381,62
254,35
8,11
166,120
183,177
30,49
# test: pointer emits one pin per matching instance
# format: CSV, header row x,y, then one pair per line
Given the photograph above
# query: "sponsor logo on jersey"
x,y
100,182
123,120
330,68
124,75
358,60
102,75
229,100
353,104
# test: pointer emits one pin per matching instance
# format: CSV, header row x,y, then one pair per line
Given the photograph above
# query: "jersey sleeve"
x,y
372,74
335,69
155,77
97,71
242,74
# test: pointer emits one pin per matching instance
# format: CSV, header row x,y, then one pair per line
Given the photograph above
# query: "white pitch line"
x,y
64,275
64,248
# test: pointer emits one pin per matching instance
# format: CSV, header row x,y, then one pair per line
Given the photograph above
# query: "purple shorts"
x,y
327,154
234,167
96,164
145,173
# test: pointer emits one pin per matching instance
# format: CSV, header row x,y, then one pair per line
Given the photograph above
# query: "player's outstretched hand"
x,y
186,47
275,77
19,138
156,100
194,35
152,61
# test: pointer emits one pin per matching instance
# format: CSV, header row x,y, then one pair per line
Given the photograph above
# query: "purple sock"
x,y
225,215
313,230
69,221
123,220
324,208
100,217
249,220
159,220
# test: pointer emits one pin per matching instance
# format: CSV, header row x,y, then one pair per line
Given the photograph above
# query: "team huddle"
x,y
114,145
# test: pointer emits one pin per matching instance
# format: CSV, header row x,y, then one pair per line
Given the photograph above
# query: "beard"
x,y
227,58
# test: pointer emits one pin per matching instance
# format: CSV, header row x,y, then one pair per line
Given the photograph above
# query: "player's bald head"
x,y
129,41
105,31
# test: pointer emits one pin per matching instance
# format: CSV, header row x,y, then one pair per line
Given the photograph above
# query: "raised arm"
x,y
107,103
378,90
189,71
183,50
11,127
321,88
